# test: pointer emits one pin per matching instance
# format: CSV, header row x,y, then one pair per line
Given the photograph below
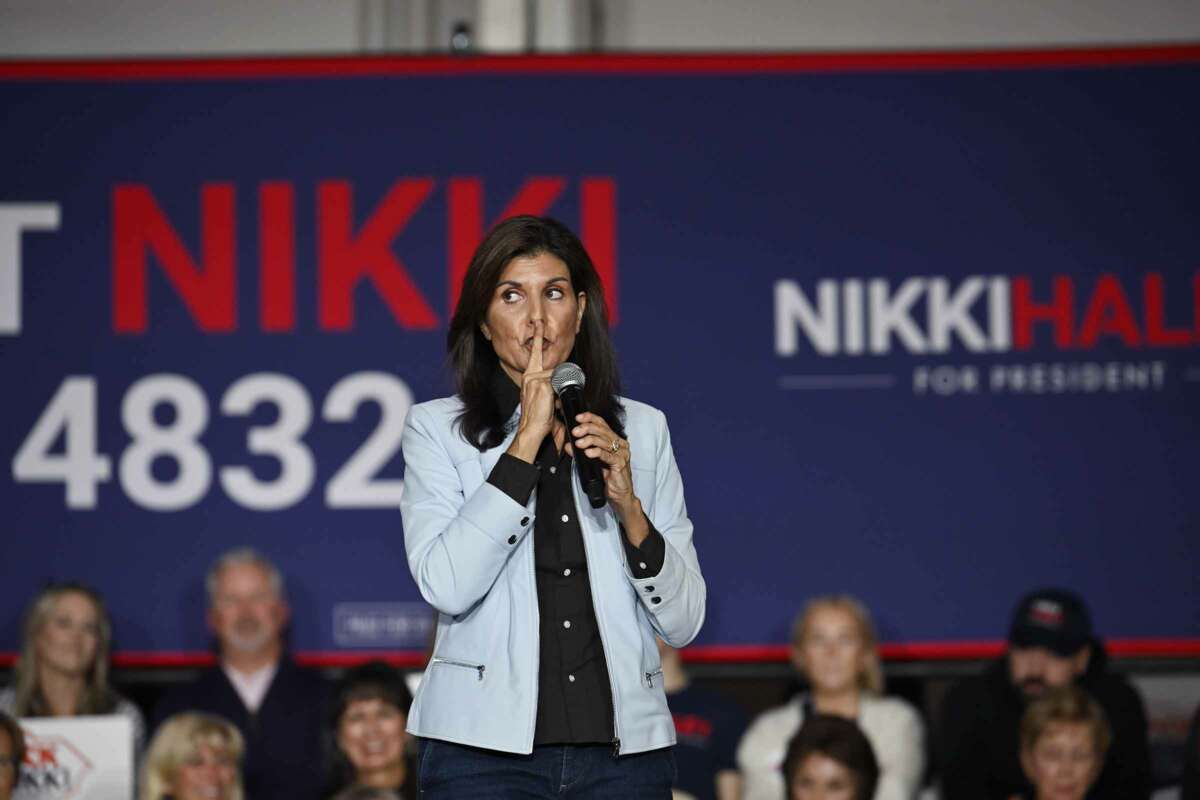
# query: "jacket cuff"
x,y
656,589
497,516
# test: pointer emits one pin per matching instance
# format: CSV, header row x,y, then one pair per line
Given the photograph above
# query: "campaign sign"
x,y
77,758
925,328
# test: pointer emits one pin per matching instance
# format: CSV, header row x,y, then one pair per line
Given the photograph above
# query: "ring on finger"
x,y
615,446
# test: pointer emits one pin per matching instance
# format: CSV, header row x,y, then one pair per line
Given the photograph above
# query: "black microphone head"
x,y
566,374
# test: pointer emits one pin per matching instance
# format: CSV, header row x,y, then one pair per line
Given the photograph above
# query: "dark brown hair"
x,y
474,360
373,680
16,743
841,740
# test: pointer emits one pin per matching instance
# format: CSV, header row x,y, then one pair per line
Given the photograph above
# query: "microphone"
x,y
568,381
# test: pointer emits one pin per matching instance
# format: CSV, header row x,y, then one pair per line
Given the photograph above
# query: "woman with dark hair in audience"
x,y
194,756
834,647
63,667
830,759
365,736
1190,789
1064,740
12,754
366,793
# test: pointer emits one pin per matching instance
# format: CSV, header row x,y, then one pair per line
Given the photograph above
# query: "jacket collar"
x,y
508,397
508,400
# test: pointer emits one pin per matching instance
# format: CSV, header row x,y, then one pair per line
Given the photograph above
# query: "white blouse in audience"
x,y
890,724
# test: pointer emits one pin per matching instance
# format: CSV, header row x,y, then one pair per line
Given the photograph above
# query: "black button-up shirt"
x,y
574,694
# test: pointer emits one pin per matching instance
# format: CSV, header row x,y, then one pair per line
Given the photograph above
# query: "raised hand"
x,y
537,402
595,438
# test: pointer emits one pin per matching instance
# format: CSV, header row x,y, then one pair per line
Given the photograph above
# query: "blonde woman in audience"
x,y
63,667
193,756
1064,739
834,647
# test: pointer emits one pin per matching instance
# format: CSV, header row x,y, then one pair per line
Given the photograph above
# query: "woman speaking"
x,y
545,678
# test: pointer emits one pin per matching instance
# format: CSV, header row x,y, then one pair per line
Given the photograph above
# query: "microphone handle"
x,y
591,476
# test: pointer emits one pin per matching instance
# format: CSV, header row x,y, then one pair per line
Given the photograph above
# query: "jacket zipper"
x,y
479,668
612,684
510,428
537,646
650,677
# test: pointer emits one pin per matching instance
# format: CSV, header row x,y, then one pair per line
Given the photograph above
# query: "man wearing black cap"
x,y
1051,644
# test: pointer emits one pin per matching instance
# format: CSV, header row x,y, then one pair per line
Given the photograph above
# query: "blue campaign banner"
x,y
926,328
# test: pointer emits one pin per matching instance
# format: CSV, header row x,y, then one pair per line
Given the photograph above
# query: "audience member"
x,y
63,667
1051,645
193,756
830,759
365,734
834,647
366,793
1064,737
707,730
1191,762
12,754
275,704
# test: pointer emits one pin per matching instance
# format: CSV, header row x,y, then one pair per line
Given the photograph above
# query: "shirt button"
x,y
656,600
649,589
524,521
571,678
641,565
553,470
567,573
566,623
565,518
512,540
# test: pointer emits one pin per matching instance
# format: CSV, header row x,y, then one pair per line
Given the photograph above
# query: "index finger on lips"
x,y
535,354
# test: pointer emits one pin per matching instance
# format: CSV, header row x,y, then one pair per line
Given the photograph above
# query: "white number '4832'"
x,y
71,416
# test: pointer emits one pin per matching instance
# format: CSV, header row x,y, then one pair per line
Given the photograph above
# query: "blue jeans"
x,y
580,772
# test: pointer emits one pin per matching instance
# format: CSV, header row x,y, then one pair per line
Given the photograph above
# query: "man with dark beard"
x,y
276,705
1051,644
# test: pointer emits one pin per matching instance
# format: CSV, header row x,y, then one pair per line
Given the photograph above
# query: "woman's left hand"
x,y
592,435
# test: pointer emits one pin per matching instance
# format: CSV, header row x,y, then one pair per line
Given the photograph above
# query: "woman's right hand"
x,y
537,402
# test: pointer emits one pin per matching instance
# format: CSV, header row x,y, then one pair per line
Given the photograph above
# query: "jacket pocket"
x,y
456,664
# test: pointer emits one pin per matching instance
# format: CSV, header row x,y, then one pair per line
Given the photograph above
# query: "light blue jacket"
x,y
470,549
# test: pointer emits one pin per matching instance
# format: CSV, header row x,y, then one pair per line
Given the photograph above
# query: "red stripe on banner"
x,y
656,63
895,651
941,651
703,654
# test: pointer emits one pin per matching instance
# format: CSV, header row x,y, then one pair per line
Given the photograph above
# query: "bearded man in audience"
x,y
1051,645
275,704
